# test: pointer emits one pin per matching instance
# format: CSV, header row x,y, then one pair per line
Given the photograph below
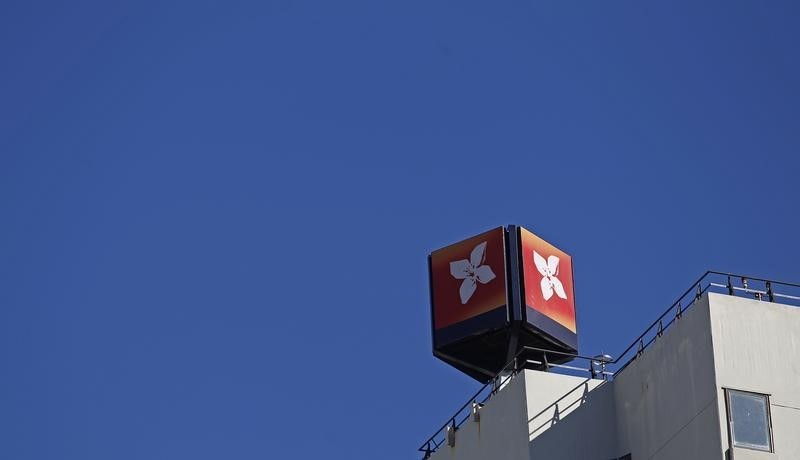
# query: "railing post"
x,y
699,291
730,286
476,414
451,433
770,294
660,327
679,312
544,360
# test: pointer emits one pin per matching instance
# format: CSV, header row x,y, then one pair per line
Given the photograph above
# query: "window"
x,y
749,422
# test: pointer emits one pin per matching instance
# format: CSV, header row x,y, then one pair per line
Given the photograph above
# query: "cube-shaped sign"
x,y
548,289
497,292
468,287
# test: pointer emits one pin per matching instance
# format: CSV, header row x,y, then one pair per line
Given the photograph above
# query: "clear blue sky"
x,y
216,215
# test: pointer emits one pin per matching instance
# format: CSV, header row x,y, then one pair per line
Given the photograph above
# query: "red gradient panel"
x,y
468,278
547,275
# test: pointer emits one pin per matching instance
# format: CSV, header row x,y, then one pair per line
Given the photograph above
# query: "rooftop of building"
x,y
599,369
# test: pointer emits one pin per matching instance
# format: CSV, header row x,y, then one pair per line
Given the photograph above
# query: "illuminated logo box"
x,y
548,289
496,292
468,286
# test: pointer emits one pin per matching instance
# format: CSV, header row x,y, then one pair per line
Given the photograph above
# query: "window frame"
x,y
729,418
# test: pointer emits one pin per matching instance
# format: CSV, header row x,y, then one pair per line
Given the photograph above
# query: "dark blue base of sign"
x,y
558,334
476,325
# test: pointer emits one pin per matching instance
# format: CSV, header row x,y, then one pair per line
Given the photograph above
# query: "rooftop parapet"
x,y
607,367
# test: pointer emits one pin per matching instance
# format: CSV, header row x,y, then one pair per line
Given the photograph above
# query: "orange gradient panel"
x,y
547,274
468,278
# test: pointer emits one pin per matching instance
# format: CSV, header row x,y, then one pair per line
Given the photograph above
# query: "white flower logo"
x,y
549,271
471,271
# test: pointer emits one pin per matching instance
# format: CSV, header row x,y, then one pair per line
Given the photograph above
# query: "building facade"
x,y
722,382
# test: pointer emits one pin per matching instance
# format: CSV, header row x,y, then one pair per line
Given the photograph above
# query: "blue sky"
x,y
216,215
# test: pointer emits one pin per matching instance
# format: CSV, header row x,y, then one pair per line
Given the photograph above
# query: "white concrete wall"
x,y
757,348
502,432
587,430
551,397
666,398
668,404
663,406
531,404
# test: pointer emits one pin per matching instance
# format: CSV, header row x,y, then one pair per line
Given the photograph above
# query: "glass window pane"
x,y
749,420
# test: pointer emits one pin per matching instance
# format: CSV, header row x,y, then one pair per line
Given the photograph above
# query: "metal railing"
x,y
596,368
607,367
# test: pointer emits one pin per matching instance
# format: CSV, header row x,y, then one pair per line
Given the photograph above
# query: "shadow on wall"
x,y
570,428
573,399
